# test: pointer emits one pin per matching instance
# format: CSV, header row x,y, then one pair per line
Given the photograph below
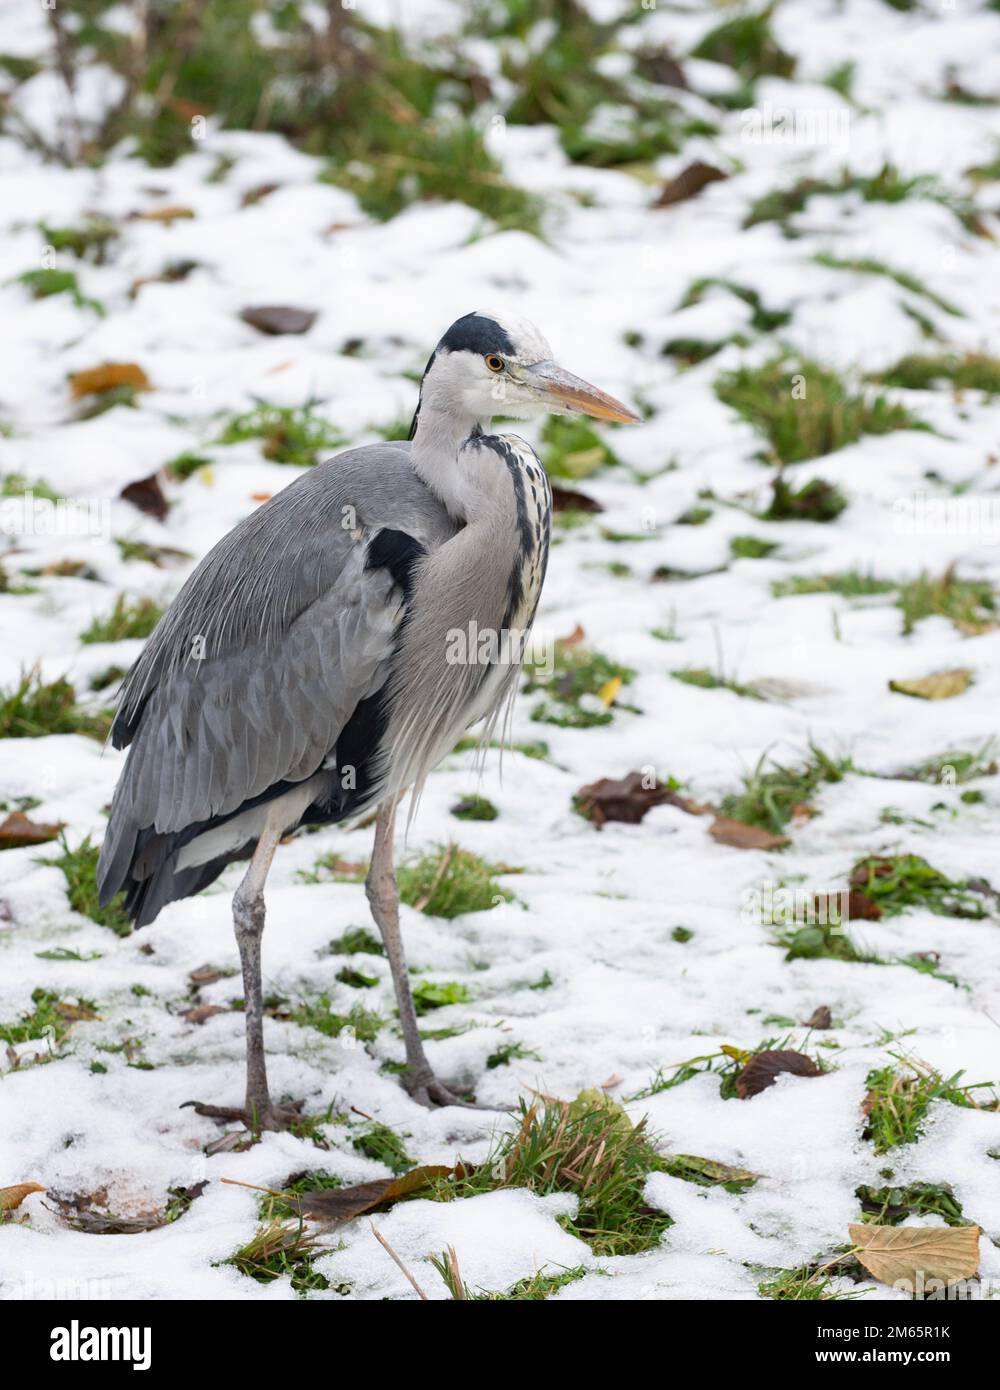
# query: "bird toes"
x,y
256,1118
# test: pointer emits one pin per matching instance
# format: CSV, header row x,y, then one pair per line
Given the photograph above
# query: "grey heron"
x,y
301,676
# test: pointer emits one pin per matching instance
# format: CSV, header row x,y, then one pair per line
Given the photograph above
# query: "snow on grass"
x,y
583,977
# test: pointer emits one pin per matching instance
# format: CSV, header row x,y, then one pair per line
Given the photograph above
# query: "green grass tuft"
x,y
288,434
848,584
971,604
888,1206
805,410
899,882
897,1102
573,692
772,792
817,501
317,1012
47,282
127,620
79,866
47,1018
356,941
33,709
383,1145
588,1147
451,881
971,371
573,449
435,994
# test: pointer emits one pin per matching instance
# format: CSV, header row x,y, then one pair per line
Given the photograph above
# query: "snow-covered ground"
x,y
596,910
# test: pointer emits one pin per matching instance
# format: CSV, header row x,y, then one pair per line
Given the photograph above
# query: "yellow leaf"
x,y
737,1052
96,380
12,1197
896,1253
608,692
942,685
167,215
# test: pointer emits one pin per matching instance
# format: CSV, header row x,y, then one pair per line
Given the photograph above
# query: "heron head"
x,y
491,366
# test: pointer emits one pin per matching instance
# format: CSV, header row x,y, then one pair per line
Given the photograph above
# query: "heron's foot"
x,y
257,1117
428,1091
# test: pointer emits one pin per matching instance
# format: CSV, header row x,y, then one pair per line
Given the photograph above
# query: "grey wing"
x,y
268,649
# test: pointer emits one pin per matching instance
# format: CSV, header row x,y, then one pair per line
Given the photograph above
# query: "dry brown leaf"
x,y
278,319
206,975
173,213
820,1018
17,831
942,685
628,798
688,182
201,1012
726,831
12,1197
860,907
75,1013
574,638
147,495
96,380
344,1203
764,1068
893,1253
567,499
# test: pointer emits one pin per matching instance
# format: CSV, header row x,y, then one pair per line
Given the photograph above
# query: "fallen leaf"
x,y
200,1012
96,380
17,831
712,1170
894,1253
258,193
206,975
278,319
860,907
764,1068
173,213
819,1018
608,692
261,496
612,1081
726,831
12,1197
661,67
344,1203
628,798
574,639
567,499
942,685
147,495
688,183
75,1013
170,275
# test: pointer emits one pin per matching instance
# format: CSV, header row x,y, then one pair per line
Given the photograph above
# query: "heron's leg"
x,y
248,924
383,897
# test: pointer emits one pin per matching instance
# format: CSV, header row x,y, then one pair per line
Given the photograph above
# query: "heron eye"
x,y
494,362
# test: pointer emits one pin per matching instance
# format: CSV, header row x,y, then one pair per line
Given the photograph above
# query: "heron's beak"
x,y
568,394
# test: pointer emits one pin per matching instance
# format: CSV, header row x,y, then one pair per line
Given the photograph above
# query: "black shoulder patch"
x,y
397,552
476,333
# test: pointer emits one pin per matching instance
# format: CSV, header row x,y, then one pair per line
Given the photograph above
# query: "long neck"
x,y
441,426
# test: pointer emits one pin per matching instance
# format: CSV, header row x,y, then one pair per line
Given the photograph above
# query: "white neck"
x,y
445,420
